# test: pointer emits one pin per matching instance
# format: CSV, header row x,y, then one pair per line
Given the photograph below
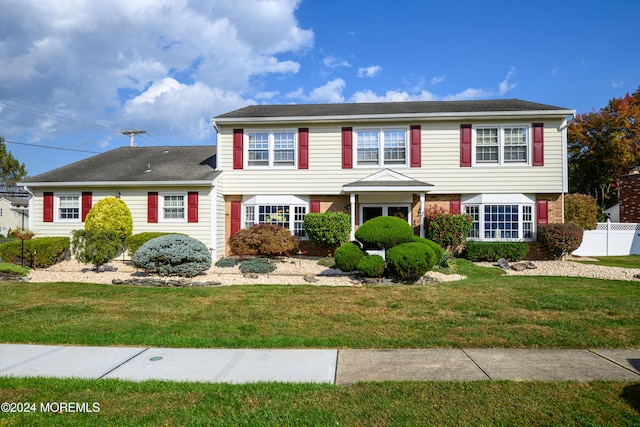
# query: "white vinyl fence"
x,y
610,238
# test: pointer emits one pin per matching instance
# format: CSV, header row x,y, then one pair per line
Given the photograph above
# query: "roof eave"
x,y
399,116
119,183
390,188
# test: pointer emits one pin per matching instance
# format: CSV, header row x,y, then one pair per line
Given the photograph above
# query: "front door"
x,y
372,211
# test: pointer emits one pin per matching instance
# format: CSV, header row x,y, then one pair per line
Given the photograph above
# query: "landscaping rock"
x,y
503,263
519,266
162,283
311,279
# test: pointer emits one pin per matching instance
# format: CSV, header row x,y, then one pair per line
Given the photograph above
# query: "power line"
x,y
52,148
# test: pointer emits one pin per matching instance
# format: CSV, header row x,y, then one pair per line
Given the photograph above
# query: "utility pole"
x,y
132,134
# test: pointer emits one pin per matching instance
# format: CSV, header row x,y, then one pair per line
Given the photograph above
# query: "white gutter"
x,y
118,183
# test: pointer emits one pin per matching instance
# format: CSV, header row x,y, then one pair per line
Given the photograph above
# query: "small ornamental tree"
x,y
560,239
582,210
450,230
262,240
384,232
328,229
96,247
110,214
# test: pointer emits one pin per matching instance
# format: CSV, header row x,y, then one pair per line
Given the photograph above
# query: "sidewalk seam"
x,y
614,362
126,361
476,363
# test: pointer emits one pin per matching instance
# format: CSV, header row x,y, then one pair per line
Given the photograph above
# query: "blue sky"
x,y
75,73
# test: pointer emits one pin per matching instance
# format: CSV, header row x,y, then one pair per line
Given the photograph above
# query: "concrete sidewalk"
x,y
317,366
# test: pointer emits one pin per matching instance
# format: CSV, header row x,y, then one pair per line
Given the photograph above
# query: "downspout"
x,y
32,209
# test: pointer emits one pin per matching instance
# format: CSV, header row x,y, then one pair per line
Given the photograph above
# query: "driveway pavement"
x,y
317,365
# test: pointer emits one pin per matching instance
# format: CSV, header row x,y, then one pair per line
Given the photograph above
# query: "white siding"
x,y
136,200
440,165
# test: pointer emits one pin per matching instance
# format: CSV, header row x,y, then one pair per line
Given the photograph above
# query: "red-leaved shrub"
x,y
263,240
560,239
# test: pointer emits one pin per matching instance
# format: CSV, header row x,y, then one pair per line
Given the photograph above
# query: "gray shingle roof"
x,y
385,108
129,164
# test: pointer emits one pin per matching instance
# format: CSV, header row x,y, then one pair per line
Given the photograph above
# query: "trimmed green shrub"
x,y
110,213
226,262
348,255
384,232
328,229
438,252
257,266
173,255
96,247
560,239
263,240
371,266
410,261
581,210
135,241
41,252
449,230
493,251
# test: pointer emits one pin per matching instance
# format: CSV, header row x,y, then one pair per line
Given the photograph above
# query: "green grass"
x,y
629,261
367,404
9,268
487,310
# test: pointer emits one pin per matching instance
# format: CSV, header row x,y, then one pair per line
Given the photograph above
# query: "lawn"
x,y
486,310
628,261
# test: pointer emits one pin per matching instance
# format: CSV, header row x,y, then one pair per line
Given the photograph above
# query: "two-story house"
x,y
502,161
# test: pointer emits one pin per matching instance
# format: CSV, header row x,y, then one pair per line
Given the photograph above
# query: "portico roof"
x,y
387,180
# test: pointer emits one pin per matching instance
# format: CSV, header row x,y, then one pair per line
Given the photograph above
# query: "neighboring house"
x,y
13,213
168,189
628,207
502,161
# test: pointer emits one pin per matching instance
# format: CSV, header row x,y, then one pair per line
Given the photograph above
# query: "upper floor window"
x,y
69,207
271,149
381,147
502,145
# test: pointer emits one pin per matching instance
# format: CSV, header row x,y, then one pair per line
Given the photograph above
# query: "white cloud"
x,y
437,79
330,92
371,71
505,85
616,83
393,96
333,62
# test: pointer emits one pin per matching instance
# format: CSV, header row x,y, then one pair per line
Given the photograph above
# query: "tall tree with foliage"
x,y
11,170
604,145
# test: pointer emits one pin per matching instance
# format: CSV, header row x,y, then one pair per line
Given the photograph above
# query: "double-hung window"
x,y
69,207
271,148
381,147
502,145
173,207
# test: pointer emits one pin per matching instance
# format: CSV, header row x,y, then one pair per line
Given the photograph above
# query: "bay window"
x,y
285,211
501,217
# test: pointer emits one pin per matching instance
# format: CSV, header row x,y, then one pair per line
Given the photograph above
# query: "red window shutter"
x,y
48,207
303,148
454,206
236,216
152,207
86,203
238,148
314,206
416,146
465,145
543,211
347,148
538,144
192,206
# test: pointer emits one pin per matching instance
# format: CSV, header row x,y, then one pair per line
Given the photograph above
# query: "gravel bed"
x,y
292,271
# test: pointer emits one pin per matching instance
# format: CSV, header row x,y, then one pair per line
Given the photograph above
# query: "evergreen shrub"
x,y
40,252
96,247
371,266
384,232
328,229
257,266
493,251
348,255
438,252
110,213
449,230
135,241
410,261
582,210
226,262
173,255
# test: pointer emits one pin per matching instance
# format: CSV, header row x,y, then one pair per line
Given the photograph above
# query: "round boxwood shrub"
x,y
348,255
437,249
410,261
371,266
173,255
384,232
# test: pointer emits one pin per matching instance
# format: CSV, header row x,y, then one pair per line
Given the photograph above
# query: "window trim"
x,y
521,220
161,207
381,147
271,163
57,207
294,203
501,145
